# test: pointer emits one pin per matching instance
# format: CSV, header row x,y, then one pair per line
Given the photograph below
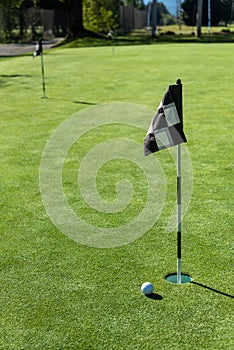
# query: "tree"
x,y
163,15
160,16
74,15
220,11
10,3
226,10
101,15
8,15
154,18
199,17
232,11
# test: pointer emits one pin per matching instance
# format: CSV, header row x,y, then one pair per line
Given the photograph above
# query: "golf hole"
x,y
173,278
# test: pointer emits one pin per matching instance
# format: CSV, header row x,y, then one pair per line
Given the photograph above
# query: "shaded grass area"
x,y
148,40
166,34
58,294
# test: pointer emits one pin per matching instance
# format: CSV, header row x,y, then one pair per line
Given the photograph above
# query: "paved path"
x,y
19,49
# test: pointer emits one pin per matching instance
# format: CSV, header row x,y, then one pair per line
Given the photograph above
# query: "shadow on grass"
x,y
212,289
146,39
154,296
6,79
85,103
77,102
15,76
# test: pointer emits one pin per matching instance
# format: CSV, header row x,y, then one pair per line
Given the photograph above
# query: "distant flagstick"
x,y
111,35
43,76
39,52
166,130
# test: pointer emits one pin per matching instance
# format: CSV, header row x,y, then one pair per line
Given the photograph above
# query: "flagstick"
x,y
179,105
178,278
179,214
43,76
176,101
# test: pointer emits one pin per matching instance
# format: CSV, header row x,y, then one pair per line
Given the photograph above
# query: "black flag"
x,y
166,128
38,48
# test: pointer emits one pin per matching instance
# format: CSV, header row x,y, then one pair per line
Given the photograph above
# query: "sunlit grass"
x,y
58,294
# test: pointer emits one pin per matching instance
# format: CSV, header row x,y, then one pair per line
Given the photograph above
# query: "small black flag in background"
x,y
166,128
38,48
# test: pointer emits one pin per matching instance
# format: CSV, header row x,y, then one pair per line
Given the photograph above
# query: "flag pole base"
x,y
173,278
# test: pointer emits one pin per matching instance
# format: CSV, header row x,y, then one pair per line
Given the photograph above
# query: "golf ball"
x,y
147,288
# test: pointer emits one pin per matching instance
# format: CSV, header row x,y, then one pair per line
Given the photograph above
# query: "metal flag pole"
x,y
178,278
111,35
179,214
39,52
43,75
179,103
177,91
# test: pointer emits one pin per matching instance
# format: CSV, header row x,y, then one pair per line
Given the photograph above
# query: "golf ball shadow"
x,y
154,296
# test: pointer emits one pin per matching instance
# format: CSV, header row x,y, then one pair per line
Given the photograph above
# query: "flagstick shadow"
x,y
77,102
154,296
212,289
15,76
85,103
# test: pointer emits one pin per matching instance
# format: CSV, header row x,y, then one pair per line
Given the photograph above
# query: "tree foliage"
x,y
89,16
74,15
220,11
101,15
10,3
163,15
7,16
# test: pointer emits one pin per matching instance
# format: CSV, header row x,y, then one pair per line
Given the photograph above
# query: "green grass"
x,y
58,294
165,34
145,38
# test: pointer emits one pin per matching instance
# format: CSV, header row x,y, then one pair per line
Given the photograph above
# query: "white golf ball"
x,y
147,288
